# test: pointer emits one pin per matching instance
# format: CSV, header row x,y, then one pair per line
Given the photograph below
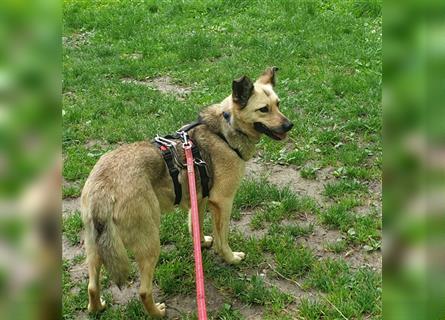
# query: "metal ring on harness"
x,y
175,164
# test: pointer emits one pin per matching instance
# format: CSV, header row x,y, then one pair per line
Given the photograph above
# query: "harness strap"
x,y
202,169
172,170
198,122
234,149
201,165
192,125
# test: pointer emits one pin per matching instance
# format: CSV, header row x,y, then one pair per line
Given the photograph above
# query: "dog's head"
x,y
256,106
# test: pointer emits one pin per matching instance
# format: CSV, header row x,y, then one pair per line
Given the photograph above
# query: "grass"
x,y
329,83
72,226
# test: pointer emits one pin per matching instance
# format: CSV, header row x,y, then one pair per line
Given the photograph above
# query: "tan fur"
x,y
130,187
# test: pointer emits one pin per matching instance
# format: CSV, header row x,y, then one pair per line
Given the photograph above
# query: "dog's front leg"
x,y
221,210
206,241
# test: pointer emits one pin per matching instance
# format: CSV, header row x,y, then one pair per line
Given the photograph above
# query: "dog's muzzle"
x,y
275,133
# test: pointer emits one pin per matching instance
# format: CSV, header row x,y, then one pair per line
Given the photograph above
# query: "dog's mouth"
x,y
260,127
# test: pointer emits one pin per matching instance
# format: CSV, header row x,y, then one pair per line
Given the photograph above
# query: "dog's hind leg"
x,y
146,267
206,241
94,264
146,247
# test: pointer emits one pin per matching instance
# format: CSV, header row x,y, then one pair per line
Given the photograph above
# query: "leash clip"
x,y
186,143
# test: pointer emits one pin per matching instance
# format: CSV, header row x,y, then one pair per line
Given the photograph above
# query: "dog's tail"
x,y
111,250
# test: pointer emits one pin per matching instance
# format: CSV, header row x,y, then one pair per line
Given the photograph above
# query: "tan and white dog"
x,y
130,187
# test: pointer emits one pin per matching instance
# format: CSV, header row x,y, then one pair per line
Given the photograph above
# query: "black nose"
x,y
287,126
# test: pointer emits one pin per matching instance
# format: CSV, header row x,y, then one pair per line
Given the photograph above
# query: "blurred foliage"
x,y
30,133
414,130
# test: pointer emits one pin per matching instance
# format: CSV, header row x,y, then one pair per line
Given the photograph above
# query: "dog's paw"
x,y
207,242
161,310
96,307
236,258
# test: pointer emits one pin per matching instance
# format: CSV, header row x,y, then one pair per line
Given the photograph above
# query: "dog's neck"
x,y
219,118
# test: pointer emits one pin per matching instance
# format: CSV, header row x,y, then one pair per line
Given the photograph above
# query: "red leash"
x,y
200,292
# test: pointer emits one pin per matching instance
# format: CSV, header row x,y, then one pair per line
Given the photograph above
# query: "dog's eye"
x,y
264,109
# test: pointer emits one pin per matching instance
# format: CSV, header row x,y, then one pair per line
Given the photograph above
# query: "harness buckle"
x,y
165,142
202,164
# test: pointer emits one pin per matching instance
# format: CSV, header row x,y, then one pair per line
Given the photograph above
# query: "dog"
x,y
129,188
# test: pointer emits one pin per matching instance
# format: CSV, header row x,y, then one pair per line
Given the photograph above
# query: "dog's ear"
x,y
242,89
269,76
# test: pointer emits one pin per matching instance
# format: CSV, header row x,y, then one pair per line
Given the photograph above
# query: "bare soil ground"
x,y
163,84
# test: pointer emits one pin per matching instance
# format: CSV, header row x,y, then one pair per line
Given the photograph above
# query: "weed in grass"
x,y
367,288
257,221
297,231
368,8
78,259
327,275
236,214
173,229
132,310
253,193
294,261
366,232
344,187
338,246
227,312
339,215
73,301
72,226
294,230
354,293
285,205
360,173
71,192
175,277
296,157
309,172
311,310
352,155
255,291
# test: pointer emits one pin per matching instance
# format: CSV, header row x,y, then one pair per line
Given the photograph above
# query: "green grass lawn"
x,y
329,55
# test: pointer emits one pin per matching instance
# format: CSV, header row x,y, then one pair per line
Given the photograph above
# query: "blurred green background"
x,y
414,160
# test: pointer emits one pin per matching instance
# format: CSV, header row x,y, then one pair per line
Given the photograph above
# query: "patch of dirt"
x,y
164,84
69,252
283,176
249,312
317,240
290,176
68,184
358,258
355,257
243,225
132,56
70,205
82,315
127,293
180,305
101,144
78,39
79,273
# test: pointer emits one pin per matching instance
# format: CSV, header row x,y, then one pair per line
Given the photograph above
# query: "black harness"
x,y
167,146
